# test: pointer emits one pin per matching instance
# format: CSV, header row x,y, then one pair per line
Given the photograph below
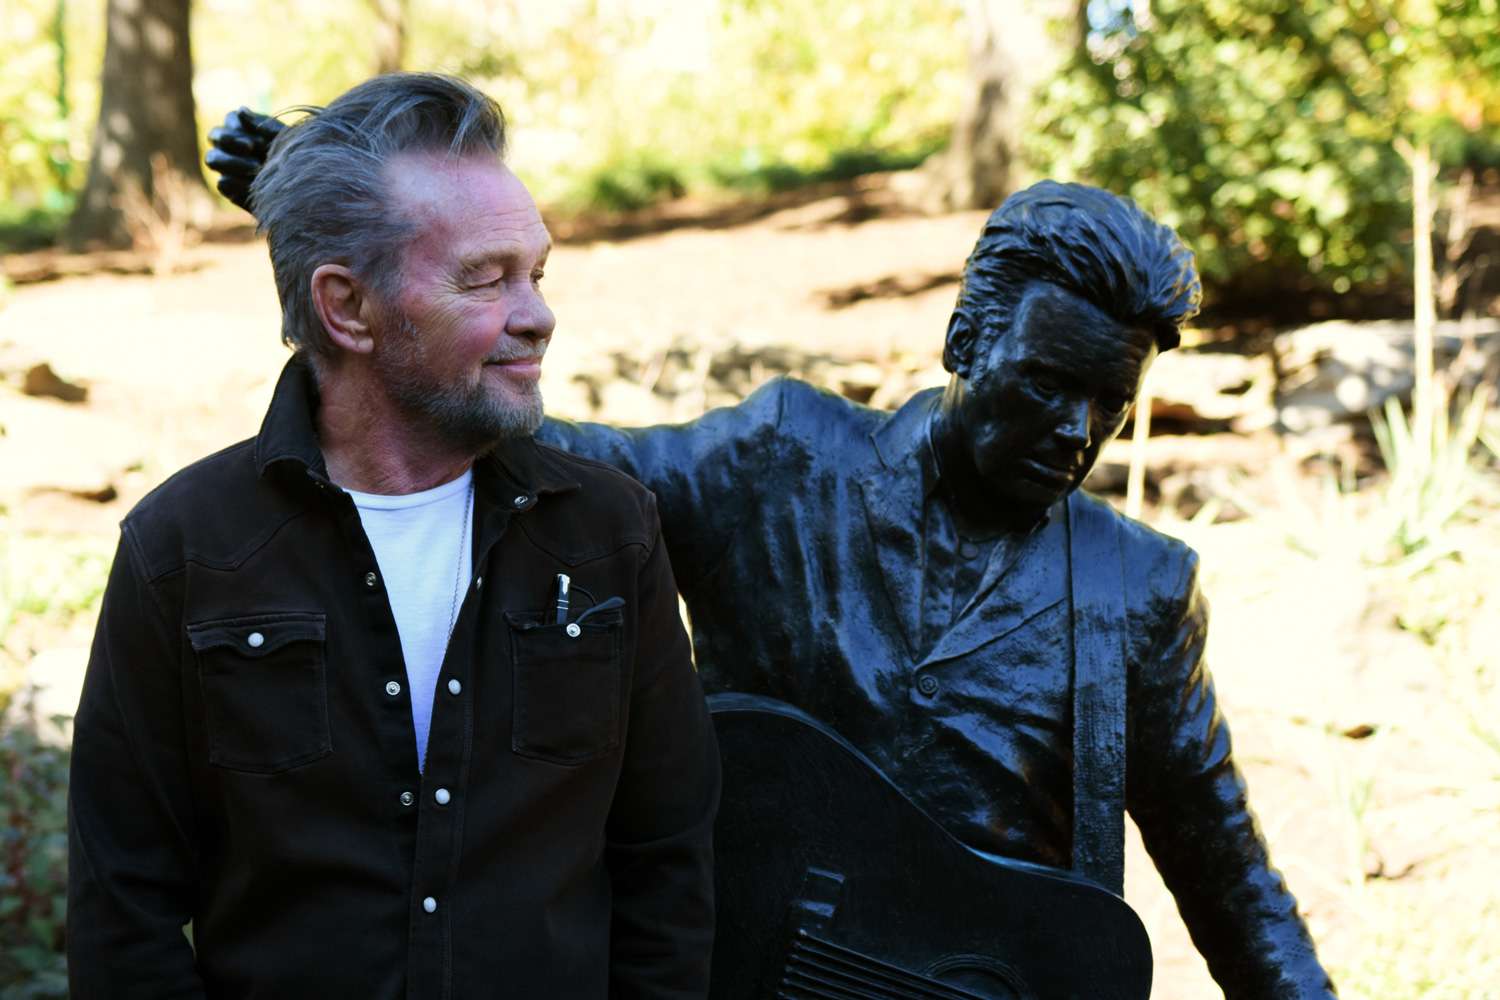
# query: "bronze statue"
x,y
932,584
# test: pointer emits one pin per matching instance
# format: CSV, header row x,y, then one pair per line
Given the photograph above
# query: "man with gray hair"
x,y
390,700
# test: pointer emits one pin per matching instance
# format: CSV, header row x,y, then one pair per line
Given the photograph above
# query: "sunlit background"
x,y
743,188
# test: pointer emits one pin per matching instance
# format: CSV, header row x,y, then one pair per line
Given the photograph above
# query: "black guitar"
x,y
833,885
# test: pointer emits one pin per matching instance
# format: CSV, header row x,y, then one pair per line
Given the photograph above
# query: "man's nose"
x,y
531,318
1073,430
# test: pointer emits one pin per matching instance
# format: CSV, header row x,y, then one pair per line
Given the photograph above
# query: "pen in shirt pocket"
x,y
563,583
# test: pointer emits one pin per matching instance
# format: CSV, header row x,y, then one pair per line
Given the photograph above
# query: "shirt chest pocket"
x,y
265,693
568,686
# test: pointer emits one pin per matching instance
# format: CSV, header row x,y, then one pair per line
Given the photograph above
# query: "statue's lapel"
x,y
1021,582
893,489
893,512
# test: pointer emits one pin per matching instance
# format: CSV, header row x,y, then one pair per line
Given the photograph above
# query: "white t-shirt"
x,y
422,543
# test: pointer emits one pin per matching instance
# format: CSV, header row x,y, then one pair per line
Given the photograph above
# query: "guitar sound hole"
x,y
982,975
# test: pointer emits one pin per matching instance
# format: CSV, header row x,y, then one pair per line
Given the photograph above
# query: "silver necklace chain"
x,y
458,568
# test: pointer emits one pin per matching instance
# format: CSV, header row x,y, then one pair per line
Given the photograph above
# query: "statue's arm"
x,y
1189,799
705,473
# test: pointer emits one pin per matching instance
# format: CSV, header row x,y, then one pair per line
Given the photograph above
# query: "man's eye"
x,y
1046,384
1115,404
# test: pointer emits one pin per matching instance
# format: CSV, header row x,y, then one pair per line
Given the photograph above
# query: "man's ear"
x,y
958,347
343,304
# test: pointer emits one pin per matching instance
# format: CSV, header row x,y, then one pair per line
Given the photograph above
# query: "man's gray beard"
x,y
465,416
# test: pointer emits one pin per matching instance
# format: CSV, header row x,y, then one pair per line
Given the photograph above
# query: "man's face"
x,y
1039,401
461,344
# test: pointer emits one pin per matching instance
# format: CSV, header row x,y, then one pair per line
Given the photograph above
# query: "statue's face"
x,y
1036,403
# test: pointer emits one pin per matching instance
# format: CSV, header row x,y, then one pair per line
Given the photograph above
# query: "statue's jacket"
x,y
794,523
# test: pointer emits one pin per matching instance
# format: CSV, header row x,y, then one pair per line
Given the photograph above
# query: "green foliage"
x,y
1263,131
48,101
37,227
618,112
619,105
1434,474
840,164
633,181
33,860
47,584
613,105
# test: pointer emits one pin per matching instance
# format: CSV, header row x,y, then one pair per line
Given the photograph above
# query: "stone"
x,y
1342,371
41,380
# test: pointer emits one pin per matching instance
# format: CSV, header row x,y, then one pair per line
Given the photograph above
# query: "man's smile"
x,y
527,368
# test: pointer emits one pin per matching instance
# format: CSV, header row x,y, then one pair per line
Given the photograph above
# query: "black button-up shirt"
x,y
243,762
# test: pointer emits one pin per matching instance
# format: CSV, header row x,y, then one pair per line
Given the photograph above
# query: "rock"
x,y
41,380
104,493
1200,391
1184,472
1341,371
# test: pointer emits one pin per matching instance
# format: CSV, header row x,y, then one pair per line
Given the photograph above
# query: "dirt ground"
x,y
1362,701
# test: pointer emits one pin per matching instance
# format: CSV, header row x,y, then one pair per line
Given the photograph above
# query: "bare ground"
x,y
1362,701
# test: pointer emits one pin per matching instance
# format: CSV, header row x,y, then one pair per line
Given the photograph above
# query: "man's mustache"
x,y
510,357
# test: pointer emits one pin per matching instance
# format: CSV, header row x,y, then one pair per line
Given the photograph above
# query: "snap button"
x,y
573,630
429,904
393,688
256,640
969,550
371,579
478,582
521,500
454,687
441,796
407,798
927,684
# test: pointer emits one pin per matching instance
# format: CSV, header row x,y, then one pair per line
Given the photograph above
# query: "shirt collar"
x,y
288,433
905,438
288,437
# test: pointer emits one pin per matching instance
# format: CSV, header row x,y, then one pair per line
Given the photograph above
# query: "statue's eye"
x,y
1046,384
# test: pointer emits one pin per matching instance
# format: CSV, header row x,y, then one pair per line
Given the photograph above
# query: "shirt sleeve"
x,y
1190,802
130,817
660,830
702,472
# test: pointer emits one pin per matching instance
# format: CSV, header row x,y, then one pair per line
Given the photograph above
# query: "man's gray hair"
x,y
322,196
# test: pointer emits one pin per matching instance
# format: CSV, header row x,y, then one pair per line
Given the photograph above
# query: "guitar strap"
x,y
1097,573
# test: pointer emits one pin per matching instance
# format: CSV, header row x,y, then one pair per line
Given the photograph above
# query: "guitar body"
x,y
833,885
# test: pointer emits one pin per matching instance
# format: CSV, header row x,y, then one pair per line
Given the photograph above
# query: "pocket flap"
x,y
604,615
258,635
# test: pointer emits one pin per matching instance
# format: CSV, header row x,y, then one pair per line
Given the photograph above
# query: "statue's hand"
x,y
238,150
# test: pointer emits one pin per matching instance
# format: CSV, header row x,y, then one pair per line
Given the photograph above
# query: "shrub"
x,y
33,859
1263,131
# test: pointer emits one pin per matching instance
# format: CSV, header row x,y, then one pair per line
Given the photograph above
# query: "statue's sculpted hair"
x,y
322,196
1091,243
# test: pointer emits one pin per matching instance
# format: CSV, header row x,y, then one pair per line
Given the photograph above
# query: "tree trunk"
x,y
1013,49
390,35
145,110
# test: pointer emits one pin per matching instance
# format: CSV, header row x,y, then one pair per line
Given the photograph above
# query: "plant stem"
x,y
1425,318
1135,482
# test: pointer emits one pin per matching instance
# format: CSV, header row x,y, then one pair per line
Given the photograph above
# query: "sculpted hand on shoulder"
x,y
238,149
